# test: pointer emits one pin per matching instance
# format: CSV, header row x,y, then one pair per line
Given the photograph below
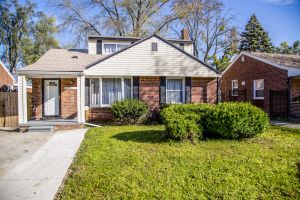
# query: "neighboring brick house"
x,y
7,80
252,76
82,84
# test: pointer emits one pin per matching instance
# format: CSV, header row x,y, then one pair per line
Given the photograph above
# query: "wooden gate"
x,y
279,103
9,109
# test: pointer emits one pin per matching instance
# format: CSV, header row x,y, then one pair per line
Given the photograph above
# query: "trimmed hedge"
x,y
225,120
236,120
130,111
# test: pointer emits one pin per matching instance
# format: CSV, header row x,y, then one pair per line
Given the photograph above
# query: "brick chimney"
x,y
185,34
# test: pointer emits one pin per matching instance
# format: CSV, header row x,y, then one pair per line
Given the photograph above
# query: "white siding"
x,y
22,100
139,60
187,47
92,45
80,99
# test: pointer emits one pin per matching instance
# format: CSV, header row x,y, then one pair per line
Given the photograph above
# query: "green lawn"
x,y
135,162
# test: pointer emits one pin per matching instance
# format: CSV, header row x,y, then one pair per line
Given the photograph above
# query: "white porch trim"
x,y
22,99
80,99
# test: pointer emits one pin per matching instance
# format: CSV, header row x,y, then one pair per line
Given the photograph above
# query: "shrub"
x,y
236,120
183,127
183,121
225,120
130,111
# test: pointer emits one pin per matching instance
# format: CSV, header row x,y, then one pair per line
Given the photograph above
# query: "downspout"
x,y
218,88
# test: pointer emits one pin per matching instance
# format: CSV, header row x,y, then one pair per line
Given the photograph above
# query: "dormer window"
x,y
111,48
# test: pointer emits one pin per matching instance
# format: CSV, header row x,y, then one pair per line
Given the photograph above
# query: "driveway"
x,y
33,165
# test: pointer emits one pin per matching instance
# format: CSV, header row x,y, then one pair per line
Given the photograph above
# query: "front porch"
x,y
57,100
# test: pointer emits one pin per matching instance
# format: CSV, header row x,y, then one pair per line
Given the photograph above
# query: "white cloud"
x,y
281,2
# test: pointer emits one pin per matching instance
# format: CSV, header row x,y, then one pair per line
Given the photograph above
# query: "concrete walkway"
x,y
286,124
40,176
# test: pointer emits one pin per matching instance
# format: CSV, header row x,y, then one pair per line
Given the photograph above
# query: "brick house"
x,y
253,77
7,80
82,84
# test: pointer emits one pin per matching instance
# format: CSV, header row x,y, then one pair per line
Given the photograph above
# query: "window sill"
x,y
103,106
174,103
258,98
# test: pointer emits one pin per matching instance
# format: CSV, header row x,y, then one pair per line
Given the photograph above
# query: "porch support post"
x,y
22,99
80,99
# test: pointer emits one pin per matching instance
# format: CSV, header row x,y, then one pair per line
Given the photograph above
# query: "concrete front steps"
x,y
50,125
50,129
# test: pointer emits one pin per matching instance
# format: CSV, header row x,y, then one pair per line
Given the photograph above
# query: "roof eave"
x,y
44,72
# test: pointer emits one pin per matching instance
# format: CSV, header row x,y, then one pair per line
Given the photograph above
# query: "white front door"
x,y
51,97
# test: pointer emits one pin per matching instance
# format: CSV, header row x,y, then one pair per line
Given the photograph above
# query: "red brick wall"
x,y
98,114
37,98
204,90
149,92
68,98
295,92
252,69
295,87
5,78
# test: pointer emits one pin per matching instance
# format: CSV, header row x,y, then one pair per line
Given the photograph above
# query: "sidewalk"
x,y
286,124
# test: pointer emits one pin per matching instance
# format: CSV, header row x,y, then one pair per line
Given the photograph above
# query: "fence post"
x,y
270,106
288,98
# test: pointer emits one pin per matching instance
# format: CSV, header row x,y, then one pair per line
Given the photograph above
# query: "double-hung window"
x,y
106,91
258,89
174,90
111,48
234,88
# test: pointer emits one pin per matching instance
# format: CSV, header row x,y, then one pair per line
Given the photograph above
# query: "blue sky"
x,y
281,18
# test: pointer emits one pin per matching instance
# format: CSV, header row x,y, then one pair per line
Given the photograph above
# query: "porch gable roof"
x,y
60,60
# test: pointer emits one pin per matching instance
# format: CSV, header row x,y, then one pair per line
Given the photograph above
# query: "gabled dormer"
x,y
106,45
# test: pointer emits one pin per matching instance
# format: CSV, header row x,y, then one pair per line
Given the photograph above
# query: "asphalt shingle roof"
x,y
62,60
280,59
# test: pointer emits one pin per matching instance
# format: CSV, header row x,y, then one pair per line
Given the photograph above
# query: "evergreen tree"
x,y
255,38
296,47
285,48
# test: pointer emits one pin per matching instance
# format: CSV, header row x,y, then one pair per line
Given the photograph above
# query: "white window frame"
x,y
254,89
100,88
237,83
183,90
113,43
